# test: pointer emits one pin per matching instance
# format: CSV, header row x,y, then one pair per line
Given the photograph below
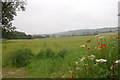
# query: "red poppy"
x,y
105,44
100,47
99,43
100,50
72,76
86,45
110,36
88,48
88,68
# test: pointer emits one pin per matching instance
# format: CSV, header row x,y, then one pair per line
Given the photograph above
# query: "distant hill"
x,y
83,32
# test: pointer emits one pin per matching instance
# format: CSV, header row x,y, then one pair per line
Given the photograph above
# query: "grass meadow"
x,y
62,57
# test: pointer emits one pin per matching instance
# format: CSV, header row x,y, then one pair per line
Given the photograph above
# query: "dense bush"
x,y
62,53
48,53
45,53
22,57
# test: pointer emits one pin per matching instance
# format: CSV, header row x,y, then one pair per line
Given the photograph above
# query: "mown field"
x,y
64,57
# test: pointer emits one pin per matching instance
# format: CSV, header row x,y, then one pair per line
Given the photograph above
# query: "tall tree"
x,y
9,11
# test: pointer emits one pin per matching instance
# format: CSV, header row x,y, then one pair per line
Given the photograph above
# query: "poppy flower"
x,y
88,48
105,44
100,47
110,36
86,45
72,76
99,43
88,68
100,50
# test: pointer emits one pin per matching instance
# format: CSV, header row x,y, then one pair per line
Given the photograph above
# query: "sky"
x,y
53,16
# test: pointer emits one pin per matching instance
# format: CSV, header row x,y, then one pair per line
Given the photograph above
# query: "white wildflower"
x,y
96,35
102,37
63,76
82,46
117,61
82,59
111,67
101,60
76,63
91,57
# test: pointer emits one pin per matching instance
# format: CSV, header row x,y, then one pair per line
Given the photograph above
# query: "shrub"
x,y
22,57
45,53
61,54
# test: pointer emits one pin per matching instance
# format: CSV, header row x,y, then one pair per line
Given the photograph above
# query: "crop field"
x,y
62,57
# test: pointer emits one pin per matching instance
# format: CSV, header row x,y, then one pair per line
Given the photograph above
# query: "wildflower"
x,y
101,37
72,76
101,60
76,63
63,76
91,57
99,43
100,50
96,35
89,48
110,36
82,59
100,47
117,61
95,47
83,46
88,68
105,44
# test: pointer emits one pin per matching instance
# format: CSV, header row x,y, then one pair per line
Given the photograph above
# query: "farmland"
x,y
62,57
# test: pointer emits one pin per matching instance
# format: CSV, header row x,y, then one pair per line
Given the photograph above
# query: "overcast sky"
x,y
52,16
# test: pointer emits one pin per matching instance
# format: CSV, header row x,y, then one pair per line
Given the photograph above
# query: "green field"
x,y
62,57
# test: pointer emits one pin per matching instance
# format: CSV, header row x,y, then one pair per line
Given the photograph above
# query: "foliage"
x,y
9,10
62,53
45,53
18,35
22,57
